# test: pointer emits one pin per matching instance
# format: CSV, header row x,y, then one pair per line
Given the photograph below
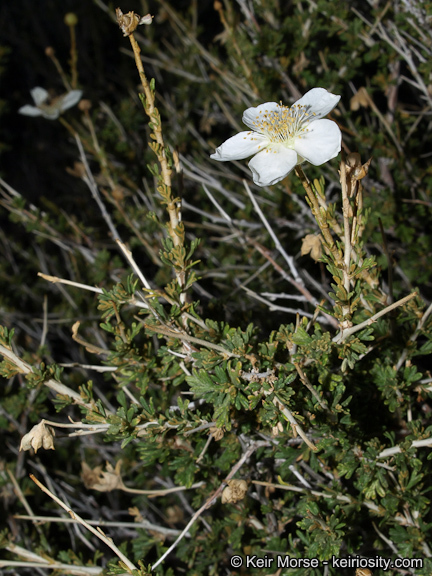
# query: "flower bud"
x,y
71,19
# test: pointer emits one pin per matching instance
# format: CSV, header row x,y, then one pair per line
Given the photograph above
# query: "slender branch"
x,y
389,261
181,336
306,382
414,336
346,310
175,226
98,533
151,112
143,524
90,181
297,429
90,427
319,216
54,385
380,510
130,259
163,491
344,334
56,279
398,450
300,287
212,499
68,568
288,259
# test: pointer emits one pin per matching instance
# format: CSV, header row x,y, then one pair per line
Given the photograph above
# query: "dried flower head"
x,y
217,433
129,22
360,99
85,105
311,244
101,481
40,436
235,491
363,572
355,169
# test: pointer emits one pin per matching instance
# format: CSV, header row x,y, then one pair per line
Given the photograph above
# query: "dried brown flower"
x,y
217,433
360,99
101,481
40,436
311,244
130,21
235,491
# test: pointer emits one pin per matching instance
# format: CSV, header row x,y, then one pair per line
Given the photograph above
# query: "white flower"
x,y
282,137
52,110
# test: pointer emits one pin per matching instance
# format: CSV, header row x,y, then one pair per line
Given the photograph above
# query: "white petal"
x,y
320,143
272,165
319,101
28,110
70,99
50,112
39,95
252,115
240,146
147,19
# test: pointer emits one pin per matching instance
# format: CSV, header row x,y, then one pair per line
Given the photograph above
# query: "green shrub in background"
x,y
237,371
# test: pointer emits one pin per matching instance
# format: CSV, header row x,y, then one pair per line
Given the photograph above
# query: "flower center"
x,y
284,125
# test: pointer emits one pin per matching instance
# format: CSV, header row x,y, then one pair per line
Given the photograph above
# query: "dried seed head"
x,y
360,99
235,491
355,169
174,514
40,436
118,194
217,433
311,244
130,21
363,572
101,481
84,105
78,170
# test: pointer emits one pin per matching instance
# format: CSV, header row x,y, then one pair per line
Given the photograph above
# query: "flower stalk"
x,y
346,263
346,309
97,532
128,23
71,20
320,215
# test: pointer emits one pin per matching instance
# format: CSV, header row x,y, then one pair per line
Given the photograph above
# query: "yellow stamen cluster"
x,y
283,125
